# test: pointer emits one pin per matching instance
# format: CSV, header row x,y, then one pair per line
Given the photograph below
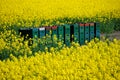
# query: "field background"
x,y
37,13
97,60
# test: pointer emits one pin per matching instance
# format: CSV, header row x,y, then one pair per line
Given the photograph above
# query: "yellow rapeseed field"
x,y
97,60
33,12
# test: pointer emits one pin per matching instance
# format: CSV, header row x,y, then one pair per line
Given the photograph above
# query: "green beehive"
x,y
67,29
60,33
35,32
92,25
81,34
67,42
48,41
54,36
87,34
35,35
97,30
48,30
48,37
67,34
41,32
54,31
76,33
42,39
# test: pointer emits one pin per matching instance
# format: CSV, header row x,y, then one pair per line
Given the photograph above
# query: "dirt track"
x,y
112,35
